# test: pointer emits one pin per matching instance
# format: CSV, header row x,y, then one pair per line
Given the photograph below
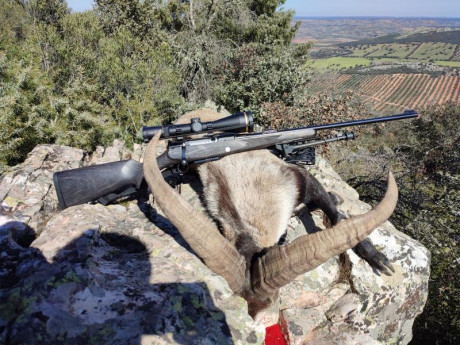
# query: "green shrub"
x,y
93,76
31,114
425,156
133,82
138,82
309,110
255,74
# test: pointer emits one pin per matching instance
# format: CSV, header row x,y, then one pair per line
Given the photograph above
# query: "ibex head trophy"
x,y
250,197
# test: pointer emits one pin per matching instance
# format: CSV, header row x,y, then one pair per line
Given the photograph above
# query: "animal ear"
x,y
197,229
282,264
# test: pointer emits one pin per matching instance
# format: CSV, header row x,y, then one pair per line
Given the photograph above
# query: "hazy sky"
x,y
394,8
80,5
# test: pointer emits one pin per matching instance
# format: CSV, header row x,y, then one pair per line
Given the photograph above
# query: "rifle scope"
x,y
241,122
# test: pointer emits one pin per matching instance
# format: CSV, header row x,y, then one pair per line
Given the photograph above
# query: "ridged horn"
x,y
282,264
198,230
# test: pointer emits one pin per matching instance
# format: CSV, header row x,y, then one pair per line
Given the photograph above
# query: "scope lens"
x,y
149,132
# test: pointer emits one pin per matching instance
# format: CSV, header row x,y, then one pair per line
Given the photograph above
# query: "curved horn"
x,y
198,230
281,264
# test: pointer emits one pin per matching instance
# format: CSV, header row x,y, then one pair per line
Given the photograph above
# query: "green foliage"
x,y
50,12
210,34
12,19
73,51
309,110
30,114
116,14
69,83
102,74
138,17
137,81
255,74
202,34
433,155
434,145
270,25
267,7
425,156
18,89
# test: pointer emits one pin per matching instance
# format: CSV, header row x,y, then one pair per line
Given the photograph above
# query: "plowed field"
x,y
401,91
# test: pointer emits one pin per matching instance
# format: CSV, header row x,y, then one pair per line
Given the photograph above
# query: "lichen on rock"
x,y
122,274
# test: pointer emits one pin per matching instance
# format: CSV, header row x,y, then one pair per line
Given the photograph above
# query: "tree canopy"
x,y
84,79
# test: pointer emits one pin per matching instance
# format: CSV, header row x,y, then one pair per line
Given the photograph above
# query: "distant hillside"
x,y
331,31
433,51
435,36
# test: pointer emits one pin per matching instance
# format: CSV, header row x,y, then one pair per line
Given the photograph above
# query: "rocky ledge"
x,y
122,274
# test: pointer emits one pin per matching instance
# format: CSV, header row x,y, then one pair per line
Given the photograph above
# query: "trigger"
x,y
107,199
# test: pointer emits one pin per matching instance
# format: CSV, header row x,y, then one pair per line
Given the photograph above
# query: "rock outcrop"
x,y
122,274
344,301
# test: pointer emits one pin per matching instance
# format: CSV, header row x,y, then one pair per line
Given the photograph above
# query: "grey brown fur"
x,y
251,197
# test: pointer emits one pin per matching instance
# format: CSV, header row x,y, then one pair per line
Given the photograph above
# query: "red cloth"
x,y
273,336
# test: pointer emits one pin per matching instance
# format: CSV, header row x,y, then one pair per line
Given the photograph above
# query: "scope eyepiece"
x,y
238,122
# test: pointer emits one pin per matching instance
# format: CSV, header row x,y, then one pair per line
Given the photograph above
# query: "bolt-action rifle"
x,y
108,182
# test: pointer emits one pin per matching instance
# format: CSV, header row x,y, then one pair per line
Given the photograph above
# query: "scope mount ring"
x,y
183,166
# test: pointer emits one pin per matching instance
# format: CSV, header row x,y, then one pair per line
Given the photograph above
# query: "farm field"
x,y
389,59
339,63
396,92
327,31
432,51
435,51
414,69
346,62
418,51
384,50
394,50
456,55
448,63
363,50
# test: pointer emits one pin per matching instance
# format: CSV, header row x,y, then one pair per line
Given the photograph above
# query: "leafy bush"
x,y
308,110
83,79
137,81
433,159
31,114
255,74
425,156
50,12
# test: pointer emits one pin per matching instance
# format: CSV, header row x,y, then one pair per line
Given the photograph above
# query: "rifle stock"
x,y
79,186
82,185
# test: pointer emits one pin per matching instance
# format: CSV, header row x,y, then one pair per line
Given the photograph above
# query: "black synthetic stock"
x,y
79,186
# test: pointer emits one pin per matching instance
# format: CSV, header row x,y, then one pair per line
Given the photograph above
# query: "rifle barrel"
x,y
406,115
